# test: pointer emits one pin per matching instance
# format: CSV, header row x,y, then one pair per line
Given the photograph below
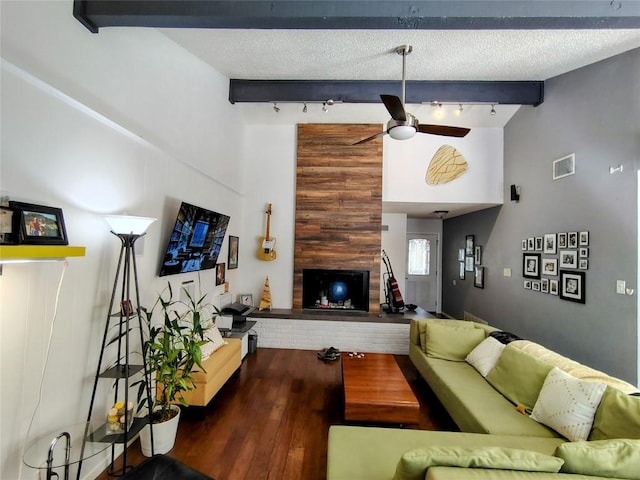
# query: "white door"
x,y
422,275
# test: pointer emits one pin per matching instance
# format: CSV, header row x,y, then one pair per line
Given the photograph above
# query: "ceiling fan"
x,y
404,125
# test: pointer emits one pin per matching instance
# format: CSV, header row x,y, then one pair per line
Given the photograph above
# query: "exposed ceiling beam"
x,y
359,14
359,91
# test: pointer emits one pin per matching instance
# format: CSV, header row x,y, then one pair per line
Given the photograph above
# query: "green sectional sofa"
x,y
503,393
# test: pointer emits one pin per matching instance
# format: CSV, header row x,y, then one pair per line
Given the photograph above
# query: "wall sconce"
x,y
515,193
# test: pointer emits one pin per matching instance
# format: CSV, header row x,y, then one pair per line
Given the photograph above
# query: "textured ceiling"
x,y
370,55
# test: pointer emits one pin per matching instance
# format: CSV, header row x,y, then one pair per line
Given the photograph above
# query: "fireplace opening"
x,y
335,289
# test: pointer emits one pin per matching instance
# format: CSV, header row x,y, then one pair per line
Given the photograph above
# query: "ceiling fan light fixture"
x,y
402,132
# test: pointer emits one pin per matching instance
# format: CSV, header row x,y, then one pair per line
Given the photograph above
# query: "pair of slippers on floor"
x,y
330,353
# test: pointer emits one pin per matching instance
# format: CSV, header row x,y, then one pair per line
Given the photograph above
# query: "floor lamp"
x,y
128,229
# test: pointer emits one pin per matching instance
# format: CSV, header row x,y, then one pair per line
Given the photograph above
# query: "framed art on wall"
x,y
550,266
531,265
553,287
220,274
550,243
583,239
572,286
461,255
40,225
572,240
469,264
477,255
462,271
562,240
233,252
9,226
469,243
563,167
478,277
568,259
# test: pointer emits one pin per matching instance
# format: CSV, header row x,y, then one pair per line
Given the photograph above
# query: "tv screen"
x,y
195,241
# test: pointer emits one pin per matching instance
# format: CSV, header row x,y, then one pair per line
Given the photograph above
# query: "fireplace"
x,y
335,289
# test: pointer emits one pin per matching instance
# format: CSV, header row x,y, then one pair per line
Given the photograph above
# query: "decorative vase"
x,y
164,435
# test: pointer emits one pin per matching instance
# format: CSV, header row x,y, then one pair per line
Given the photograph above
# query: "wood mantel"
x,y
338,203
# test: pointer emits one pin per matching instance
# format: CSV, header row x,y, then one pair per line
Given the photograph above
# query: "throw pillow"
x,y
214,342
518,376
452,343
413,465
484,357
618,416
619,458
567,404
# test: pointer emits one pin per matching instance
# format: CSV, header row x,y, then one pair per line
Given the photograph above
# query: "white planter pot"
x,y
164,435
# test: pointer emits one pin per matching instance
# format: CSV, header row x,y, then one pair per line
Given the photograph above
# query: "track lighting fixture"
x,y
304,109
458,111
324,107
493,109
276,108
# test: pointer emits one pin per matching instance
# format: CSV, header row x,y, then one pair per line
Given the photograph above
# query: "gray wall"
x,y
593,112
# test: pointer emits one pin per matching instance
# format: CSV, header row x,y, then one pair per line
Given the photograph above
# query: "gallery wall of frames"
x,y
556,264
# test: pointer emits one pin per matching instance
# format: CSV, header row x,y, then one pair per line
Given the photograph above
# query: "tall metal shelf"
x,y
123,315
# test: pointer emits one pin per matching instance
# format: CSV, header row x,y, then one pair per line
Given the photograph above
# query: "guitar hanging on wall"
x,y
267,244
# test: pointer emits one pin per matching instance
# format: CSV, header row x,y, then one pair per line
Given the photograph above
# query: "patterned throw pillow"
x,y
484,357
568,405
215,341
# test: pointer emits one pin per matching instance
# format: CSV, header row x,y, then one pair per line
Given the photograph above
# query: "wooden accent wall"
x,y
338,203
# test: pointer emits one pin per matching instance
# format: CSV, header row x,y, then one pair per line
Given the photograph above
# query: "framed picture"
x,y
40,225
562,240
9,225
219,274
550,246
568,259
524,244
478,277
246,299
553,287
544,285
550,266
563,167
477,255
469,243
232,261
572,286
468,264
461,255
583,264
535,286
531,244
583,252
462,271
572,240
531,265
583,239
539,244
527,284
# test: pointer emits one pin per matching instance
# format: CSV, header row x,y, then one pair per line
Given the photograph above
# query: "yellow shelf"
x,y
39,252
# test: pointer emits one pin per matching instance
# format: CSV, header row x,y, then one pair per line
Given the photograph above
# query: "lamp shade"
x,y
402,132
129,224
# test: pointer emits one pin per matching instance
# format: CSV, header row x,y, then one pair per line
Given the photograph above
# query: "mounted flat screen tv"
x,y
195,241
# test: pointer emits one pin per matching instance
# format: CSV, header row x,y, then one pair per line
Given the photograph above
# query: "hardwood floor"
x,y
271,419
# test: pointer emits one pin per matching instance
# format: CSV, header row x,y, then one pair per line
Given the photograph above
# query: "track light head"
x,y
304,109
276,108
493,109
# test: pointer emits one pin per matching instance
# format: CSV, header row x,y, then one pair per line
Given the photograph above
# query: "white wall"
x,y
406,163
394,243
123,121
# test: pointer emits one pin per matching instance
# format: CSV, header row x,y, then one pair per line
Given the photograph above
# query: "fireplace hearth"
x,y
335,289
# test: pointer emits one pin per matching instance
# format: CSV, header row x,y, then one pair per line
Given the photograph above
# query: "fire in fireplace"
x,y
335,289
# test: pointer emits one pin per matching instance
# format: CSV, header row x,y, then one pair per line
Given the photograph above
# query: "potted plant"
x,y
172,352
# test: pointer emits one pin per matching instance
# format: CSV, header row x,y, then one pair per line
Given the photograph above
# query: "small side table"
x,y
64,447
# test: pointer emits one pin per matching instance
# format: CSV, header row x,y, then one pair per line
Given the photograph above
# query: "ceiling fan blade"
x,y
395,107
372,137
444,130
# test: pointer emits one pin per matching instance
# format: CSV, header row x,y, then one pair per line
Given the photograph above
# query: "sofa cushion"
x,y
451,342
485,356
618,416
413,465
619,458
519,376
420,330
567,404
214,342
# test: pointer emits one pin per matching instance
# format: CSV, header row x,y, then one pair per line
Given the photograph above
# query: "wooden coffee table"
x,y
375,390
